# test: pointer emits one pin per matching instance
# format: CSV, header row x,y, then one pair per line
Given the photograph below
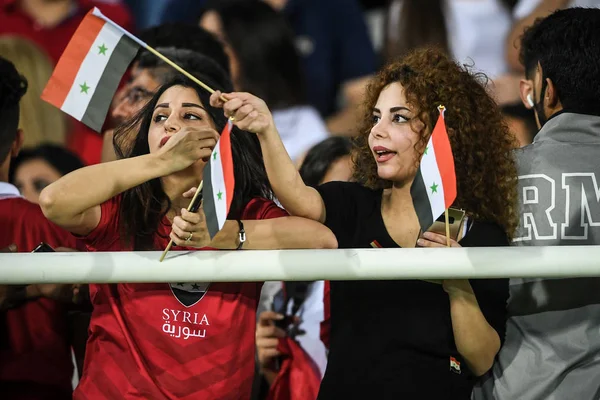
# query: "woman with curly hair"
x,y
406,338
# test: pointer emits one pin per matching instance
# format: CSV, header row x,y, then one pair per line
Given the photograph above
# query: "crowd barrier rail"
x,y
304,265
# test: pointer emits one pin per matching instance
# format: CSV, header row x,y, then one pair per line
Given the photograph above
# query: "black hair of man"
x,y
12,87
187,36
566,44
187,59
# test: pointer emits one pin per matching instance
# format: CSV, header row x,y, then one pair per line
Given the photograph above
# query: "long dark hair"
x,y
263,43
143,208
60,158
422,24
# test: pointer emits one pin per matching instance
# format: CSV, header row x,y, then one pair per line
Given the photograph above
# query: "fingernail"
x,y
12,247
183,210
279,316
420,242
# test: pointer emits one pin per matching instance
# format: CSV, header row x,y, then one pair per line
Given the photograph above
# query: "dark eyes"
x,y
395,118
190,116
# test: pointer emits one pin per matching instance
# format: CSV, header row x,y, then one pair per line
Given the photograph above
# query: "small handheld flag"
x,y
434,187
219,183
89,71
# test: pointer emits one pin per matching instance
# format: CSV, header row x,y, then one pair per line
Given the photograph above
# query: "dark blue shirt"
x,y
334,46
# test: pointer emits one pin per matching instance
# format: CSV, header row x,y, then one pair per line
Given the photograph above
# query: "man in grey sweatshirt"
x,y
552,346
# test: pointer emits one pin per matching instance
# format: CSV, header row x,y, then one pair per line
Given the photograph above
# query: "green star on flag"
x,y
215,155
425,152
433,188
84,88
102,49
220,195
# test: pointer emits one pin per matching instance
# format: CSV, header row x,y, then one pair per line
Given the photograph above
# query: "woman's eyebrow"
x,y
192,105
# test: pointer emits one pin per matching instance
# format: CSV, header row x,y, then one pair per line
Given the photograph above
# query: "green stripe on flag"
x,y
418,192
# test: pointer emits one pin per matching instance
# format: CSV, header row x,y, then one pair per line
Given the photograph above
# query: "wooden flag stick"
x,y
198,191
447,228
143,44
184,72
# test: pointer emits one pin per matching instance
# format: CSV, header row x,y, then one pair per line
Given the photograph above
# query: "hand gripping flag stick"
x,y
194,205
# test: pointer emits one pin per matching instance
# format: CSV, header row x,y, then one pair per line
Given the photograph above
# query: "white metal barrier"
x,y
261,265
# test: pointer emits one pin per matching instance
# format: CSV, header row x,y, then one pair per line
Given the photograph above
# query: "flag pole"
x,y
447,228
184,72
143,44
198,191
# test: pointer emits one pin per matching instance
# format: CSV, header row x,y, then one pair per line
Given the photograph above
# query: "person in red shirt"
x,y
177,340
51,24
35,355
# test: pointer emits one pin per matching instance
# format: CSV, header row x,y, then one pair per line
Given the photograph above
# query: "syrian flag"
x,y
298,378
219,183
434,187
90,69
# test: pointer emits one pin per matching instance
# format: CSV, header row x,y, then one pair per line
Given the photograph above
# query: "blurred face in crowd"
x,y
211,21
134,95
393,136
34,175
177,107
339,170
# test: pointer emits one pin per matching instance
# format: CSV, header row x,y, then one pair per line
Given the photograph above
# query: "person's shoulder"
x,y
485,234
347,191
23,209
262,208
32,222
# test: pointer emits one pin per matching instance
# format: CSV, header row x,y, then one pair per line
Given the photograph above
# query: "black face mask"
x,y
539,106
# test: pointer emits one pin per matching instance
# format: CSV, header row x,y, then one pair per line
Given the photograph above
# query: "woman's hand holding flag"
x,y
248,112
189,228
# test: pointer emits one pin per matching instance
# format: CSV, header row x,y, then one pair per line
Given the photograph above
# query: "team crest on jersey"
x,y
189,294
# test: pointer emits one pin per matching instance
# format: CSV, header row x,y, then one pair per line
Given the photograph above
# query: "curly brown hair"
x,y
482,145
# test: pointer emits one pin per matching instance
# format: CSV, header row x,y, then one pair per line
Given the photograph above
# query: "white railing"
x,y
260,265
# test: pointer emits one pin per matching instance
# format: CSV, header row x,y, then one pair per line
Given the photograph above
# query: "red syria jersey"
x,y
35,355
169,341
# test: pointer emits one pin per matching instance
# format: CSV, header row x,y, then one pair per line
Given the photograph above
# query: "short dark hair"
x,y
61,159
320,157
189,60
187,36
12,87
567,46
264,45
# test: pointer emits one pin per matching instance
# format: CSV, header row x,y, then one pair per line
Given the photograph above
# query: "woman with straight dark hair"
x,y
178,340
265,62
34,169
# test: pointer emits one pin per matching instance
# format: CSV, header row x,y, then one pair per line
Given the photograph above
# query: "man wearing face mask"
x,y
552,346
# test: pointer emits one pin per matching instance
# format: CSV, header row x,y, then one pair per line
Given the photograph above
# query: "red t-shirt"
x,y
35,356
83,141
13,20
173,341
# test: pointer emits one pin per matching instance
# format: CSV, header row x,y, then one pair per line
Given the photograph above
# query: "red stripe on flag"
x,y
227,162
66,70
445,160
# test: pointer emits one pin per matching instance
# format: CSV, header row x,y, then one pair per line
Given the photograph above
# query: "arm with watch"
x,y
264,234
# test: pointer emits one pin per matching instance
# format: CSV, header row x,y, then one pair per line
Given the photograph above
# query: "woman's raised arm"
x,y
252,114
74,200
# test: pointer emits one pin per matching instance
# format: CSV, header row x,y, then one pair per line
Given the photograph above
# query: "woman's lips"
x,y
383,154
164,140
